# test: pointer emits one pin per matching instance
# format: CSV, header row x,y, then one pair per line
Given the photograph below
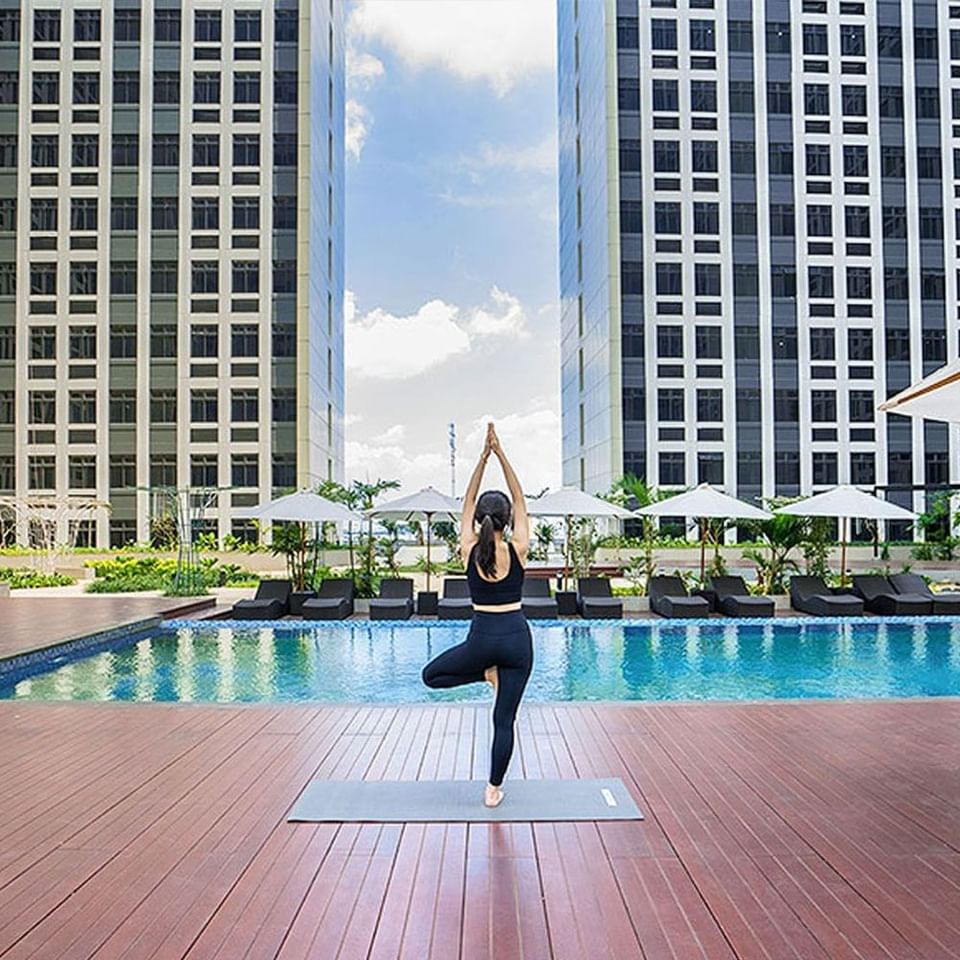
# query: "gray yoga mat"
x,y
449,801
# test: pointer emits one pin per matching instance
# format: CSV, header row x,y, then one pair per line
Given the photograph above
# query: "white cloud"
x,y
363,69
498,42
531,441
532,158
508,317
359,121
380,345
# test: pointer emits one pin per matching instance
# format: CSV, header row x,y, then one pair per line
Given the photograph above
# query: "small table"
x,y
709,595
566,602
427,603
297,600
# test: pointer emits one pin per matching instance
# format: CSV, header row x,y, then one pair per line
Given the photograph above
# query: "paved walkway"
x,y
786,831
31,623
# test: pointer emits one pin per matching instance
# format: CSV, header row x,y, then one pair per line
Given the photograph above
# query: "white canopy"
x,y
846,502
573,502
936,397
426,503
301,507
704,501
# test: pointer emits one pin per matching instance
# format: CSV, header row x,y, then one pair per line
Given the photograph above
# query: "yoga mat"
x,y
461,801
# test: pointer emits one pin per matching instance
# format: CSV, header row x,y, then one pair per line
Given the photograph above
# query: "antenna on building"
x,y
452,431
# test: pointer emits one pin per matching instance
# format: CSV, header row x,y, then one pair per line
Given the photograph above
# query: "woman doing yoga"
x,y
499,647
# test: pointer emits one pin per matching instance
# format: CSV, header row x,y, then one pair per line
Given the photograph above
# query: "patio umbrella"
x,y
302,507
428,504
704,502
936,397
570,502
843,503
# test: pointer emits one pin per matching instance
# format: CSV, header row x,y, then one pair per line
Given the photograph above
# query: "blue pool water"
x,y
359,661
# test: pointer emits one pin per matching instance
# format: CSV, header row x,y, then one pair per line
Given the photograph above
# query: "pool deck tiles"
x,y
774,830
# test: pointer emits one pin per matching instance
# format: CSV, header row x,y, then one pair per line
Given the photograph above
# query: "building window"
x,y
126,25
782,220
824,469
925,43
284,340
163,406
816,99
166,26
786,406
666,218
83,343
786,469
126,150
123,470
163,341
285,405
709,406
285,87
863,469
740,36
166,86
244,340
123,343
86,89
123,214
706,277
123,406
892,162
285,215
928,103
46,26
779,98
85,150
246,88
928,163
710,468
244,406
9,26
246,213
778,37
246,150
889,42
83,279
852,40
286,26
781,159
163,470
748,405
41,472
43,279
82,407
45,151
206,88
815,41
820,282
206,150
663,34
245,276
704,156
898,344
166,150
123,278
204,406
206,26
45,88
860,344
284,470
861,406
672,469
9,87
205,276
204,340
204,470
42,407
246,26
670,405
934,345
164,213
708,343
703,35
740,94
853,99
891,102
669,279
126,86
163,277
819,220
285,150
822,343
245,470
206,213
857,221
742,157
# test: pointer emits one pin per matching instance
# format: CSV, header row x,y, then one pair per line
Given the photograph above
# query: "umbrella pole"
x,y
703,549
566,551
428,552
844,532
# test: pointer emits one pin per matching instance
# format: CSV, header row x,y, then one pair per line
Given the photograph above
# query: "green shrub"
x,y
128,574
22,578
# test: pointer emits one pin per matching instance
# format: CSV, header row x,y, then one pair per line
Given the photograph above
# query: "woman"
x,y
499,647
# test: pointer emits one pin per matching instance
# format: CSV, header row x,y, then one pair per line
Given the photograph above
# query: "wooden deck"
x,y
31,623
787,831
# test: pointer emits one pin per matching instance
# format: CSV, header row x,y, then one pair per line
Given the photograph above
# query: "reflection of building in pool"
x,y
757,243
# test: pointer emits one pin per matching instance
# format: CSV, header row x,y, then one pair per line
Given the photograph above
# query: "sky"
x,y
451,251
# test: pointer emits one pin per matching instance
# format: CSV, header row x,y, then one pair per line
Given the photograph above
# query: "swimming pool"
x,y
359,661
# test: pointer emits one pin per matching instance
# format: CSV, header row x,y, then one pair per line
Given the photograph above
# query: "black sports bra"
x,y
505,590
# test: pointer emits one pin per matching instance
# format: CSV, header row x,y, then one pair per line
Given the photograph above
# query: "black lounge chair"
x,y
735,600
536,599
395,601
669,598
812,595
334,600
272,600
595,598
913,583
455,604
880,597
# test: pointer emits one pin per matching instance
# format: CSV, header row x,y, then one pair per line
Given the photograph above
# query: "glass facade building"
x,y
759,241
171,253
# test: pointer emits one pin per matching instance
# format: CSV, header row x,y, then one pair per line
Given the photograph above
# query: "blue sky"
x,y
451,238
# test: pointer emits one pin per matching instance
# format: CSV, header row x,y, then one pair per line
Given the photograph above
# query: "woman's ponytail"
x,y
487,548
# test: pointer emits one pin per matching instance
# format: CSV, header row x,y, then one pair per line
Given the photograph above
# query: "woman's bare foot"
x,y
492,677
492,795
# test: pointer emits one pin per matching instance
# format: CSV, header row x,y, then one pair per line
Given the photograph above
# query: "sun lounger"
x,y
536,599
913,583
811,595
880,597
669,598
735,600
595,599
455,604
395,601
334,600
272,600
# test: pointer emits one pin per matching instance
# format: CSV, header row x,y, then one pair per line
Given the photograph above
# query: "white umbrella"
x,y
845,503
936,397
704,502
302,507
570,502
428,504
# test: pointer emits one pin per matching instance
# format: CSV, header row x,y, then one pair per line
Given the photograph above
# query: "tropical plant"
x,y
293,542
632,492
129,574
940,541
583,543
23,578
388,546
543,537
778,538
163,532
819,540
365,495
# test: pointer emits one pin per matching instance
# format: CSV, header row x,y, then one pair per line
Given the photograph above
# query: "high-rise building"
x,y
759,239
171,252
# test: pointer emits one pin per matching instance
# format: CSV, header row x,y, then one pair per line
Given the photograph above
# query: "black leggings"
x,y
500,640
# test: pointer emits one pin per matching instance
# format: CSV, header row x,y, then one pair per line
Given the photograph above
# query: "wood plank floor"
x,y
788,831
31,623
